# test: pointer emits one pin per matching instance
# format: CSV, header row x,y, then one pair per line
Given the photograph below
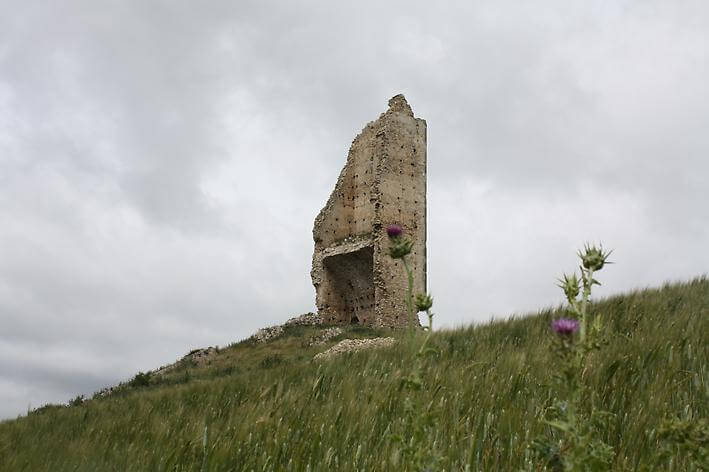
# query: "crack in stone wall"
x,y
383,182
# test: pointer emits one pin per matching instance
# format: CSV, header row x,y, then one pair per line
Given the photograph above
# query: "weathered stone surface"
x,y
265,335
354,345
307,319
197,357
270,333
324,336
382,183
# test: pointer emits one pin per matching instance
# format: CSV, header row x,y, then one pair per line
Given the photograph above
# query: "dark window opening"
x,y
350,280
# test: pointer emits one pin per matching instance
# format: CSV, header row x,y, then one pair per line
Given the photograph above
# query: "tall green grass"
x,y
271,408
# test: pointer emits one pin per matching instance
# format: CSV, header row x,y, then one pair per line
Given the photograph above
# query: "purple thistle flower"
x,y
394,231
565,326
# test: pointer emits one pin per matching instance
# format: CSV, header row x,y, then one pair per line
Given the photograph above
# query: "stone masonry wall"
x,y
383,182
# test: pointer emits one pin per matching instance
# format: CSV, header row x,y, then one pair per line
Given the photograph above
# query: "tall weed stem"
x,y
409,295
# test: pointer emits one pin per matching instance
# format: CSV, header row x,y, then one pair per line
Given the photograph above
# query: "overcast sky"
x,y
162,162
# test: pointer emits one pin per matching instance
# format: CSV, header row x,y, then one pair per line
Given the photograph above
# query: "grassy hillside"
x,y
270,407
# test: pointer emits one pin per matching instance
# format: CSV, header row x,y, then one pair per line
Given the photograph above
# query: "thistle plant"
x,y
593,259
418,424
573,419
424,303
399,248
417,449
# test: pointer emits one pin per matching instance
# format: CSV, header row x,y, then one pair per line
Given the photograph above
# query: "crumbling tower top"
x,y
398,103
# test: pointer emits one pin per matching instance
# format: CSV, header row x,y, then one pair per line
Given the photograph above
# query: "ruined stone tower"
x,y
382,183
